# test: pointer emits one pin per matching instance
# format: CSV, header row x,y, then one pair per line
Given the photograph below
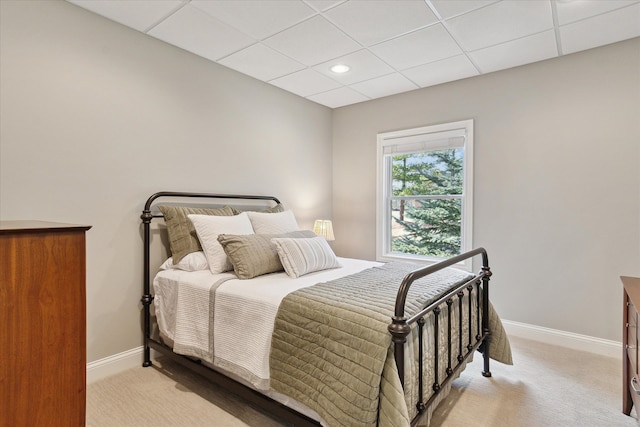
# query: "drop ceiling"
x,y
391,46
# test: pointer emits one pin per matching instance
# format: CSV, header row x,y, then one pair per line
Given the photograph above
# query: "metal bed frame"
x,y
399,327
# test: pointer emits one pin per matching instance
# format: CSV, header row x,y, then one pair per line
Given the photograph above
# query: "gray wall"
x,y
95,117
557,180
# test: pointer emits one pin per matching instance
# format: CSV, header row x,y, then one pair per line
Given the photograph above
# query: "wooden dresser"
x,y
630,341
42,324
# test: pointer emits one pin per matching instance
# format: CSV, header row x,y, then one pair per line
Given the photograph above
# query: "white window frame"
x,y
431,138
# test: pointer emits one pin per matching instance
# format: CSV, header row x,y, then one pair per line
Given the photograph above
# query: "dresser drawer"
x,y
632,354
632,314
632,337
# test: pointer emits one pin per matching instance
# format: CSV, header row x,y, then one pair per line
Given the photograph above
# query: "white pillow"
x,y
195,261
303,256
209,227
273,223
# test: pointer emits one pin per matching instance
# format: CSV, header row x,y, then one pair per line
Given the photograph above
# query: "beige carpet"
x,y
547,386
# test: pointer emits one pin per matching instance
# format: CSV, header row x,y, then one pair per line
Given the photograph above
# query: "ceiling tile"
x,y
338,97
139,15
364,65
522,51
600,30
257,18
448,8
500,22
313,41
306,82
196,32
384,86
322,5
370,22
261,62
447,70
391,45
420,47
571,11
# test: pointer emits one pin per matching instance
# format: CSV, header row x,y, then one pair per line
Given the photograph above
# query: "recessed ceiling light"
x,y
340,68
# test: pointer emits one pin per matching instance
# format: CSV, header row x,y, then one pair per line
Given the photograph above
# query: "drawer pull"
x,y
634,385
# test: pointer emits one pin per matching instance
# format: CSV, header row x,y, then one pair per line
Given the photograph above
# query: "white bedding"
x,y
244,310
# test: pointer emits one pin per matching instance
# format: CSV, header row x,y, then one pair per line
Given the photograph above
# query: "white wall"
x,y
557,181
95,117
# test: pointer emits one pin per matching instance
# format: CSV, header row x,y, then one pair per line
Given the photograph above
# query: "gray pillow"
x,y
182,235
253,255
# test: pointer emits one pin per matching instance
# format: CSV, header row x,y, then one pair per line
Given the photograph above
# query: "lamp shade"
x,y
324,228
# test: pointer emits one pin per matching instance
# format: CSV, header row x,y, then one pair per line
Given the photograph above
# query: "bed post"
x,y
147,298
486,331
399,329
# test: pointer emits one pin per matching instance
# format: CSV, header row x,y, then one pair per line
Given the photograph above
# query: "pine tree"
x,y
433,226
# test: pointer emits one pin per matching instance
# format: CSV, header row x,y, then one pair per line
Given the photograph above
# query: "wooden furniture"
x,y
43,324
630,341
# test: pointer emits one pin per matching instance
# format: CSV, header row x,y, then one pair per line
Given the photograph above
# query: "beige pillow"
x,y
304,256
182,235
273,209
254,255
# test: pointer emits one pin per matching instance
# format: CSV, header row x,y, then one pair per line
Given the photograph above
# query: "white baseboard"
x,y
564,339
114,364
117,363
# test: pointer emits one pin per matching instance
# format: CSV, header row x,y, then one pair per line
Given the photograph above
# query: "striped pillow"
x,y
303,256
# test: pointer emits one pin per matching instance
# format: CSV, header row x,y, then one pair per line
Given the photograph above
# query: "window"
x,y
425,192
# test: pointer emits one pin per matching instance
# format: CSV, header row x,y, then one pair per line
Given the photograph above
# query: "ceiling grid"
x,y
390,46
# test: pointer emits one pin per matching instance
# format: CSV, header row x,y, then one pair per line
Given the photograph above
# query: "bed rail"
x,y
400,326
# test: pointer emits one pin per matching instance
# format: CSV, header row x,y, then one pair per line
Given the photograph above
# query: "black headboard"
x,y
147,216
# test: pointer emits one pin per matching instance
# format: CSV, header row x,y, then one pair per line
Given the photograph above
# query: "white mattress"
x,y
243,315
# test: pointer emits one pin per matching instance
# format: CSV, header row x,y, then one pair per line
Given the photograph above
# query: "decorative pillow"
x,y
303,256
254,255
182,235
195,261
209,227
273,209
273,223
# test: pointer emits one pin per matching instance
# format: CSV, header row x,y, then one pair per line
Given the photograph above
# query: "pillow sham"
x,y
182,235
304,256
273,209
254,255
273,223
195,261
209,227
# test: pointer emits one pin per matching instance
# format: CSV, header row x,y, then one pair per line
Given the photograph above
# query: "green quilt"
x,y
331,349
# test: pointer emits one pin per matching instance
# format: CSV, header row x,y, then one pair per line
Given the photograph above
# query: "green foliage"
x,y
433,226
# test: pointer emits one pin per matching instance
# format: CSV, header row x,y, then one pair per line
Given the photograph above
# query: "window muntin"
x,y
425,192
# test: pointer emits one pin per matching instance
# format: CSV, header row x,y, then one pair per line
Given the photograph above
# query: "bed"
x,y
269,312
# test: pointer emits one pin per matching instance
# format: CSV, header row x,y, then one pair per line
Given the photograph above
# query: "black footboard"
x,y
400,326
